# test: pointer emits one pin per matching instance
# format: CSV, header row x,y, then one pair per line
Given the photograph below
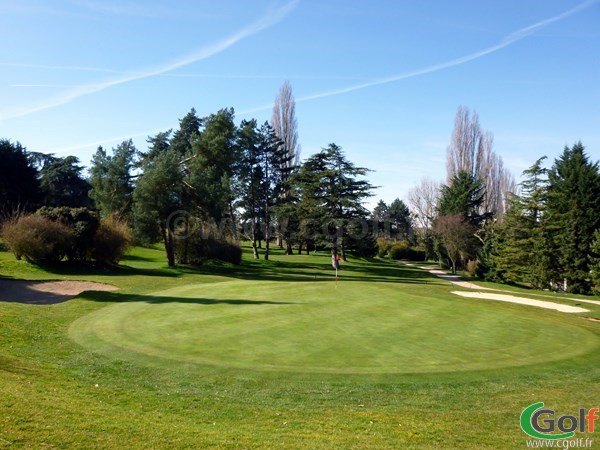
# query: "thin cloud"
x,y
271,18
124,9
41,85
505,42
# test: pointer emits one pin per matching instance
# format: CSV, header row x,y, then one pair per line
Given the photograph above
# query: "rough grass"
x,y
273,355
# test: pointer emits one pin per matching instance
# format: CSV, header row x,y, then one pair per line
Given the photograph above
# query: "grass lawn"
x,y
275,354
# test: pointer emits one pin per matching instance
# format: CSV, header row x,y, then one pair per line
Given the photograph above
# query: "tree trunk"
x,y
288,248
233,227
167,236
254,249
267,221
186,231
300,248
267,237
343,250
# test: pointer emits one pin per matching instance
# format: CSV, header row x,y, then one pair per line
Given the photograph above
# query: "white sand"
x,y
522,301
456,280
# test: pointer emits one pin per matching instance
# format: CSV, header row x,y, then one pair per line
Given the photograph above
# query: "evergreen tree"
x,y
19,186
158,194
188,132
463,195
381,220
213,167
595,262
111,180
520,250
572,209
399,215
276,166
62,184
251,182
331,196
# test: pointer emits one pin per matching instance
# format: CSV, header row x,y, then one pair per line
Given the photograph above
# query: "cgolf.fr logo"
x,y
541,423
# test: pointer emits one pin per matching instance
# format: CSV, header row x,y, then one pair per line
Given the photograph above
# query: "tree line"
x,y
201,188
544,232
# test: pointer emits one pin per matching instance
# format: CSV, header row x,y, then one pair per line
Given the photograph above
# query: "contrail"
x,y
271,18
505,42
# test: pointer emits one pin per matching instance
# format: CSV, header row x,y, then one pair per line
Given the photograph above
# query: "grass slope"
x,y
274,355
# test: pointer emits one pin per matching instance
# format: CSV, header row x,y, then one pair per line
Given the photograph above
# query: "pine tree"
x,y
463,195
111,180
331,196
573,205
595,262
520,248
158,194
19,186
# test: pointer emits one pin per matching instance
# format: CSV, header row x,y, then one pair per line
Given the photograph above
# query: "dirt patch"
x,y
46,292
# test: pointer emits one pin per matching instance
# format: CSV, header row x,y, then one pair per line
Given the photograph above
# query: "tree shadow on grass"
x,y
116,297
67,268
355,270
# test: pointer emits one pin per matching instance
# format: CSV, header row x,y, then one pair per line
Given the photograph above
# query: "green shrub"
x,y
363,247
399,250
403,250
38,239
199,247
383,247
112,240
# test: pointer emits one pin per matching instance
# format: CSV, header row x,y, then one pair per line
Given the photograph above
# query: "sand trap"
x,y
521,301
458,281
46,292
455,279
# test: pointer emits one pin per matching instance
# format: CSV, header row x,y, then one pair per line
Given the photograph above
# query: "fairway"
x,y
356,327
272,354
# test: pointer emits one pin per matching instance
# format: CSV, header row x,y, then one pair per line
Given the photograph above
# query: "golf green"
x,y
355,327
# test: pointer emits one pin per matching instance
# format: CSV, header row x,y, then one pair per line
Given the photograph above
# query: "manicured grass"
x,y
274,355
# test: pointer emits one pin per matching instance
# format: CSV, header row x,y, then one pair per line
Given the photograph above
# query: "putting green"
x,y
356,327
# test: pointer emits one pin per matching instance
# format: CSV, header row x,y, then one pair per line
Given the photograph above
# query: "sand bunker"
x,y
522,301
458,281
46,292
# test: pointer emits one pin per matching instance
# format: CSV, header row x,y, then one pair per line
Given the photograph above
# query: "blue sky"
x,y
382,79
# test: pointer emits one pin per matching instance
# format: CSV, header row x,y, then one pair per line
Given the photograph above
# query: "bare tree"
x,y
456,236
286,128
423,200
284,122
471,150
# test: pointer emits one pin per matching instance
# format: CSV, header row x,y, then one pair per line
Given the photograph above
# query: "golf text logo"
x,y
539,422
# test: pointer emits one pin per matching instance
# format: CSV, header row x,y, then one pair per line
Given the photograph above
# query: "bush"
x,y
206,243
403,250
37,239
83,224
472,267
383,247
111,241
400,250
363,247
